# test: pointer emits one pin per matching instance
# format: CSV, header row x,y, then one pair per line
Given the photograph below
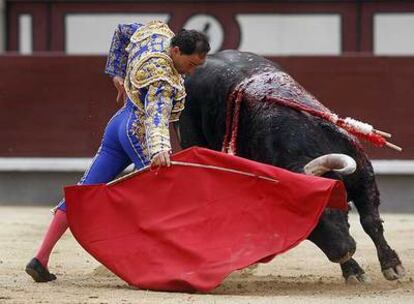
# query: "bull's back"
x,y
207,92
268,132
223,71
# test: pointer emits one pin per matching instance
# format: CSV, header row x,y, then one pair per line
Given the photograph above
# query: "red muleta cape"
x,y
186,228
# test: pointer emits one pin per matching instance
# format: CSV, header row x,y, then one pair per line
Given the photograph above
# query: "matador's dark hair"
x,y
191,42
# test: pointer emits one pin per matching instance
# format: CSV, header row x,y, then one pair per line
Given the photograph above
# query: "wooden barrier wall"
x,y
57,106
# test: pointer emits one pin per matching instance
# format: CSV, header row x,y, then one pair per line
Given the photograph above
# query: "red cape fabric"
x,y
187,228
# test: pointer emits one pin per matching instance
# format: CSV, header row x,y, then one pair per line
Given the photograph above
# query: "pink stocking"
x,y
56,229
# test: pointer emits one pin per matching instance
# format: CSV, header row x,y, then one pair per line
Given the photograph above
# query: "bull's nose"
x,y
343,254
346,257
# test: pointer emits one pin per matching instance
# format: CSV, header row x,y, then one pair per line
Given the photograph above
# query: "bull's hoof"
x,y
394,273
354,274
357,279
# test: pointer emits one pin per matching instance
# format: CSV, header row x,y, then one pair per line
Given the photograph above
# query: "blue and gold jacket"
x,y
139,53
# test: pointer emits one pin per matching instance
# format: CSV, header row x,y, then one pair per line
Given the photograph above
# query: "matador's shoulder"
x,y
153,68
152,28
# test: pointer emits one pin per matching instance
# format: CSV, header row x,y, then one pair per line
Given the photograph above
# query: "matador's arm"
x,y
117,58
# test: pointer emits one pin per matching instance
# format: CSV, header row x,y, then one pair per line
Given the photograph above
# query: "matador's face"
x,y
186,64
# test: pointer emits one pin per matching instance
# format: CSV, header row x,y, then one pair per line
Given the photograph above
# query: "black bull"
x,y
281,136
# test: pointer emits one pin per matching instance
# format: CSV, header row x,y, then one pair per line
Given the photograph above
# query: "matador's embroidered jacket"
x,y
139,53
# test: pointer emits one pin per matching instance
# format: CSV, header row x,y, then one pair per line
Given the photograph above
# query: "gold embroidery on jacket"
x,y
154,86
151,28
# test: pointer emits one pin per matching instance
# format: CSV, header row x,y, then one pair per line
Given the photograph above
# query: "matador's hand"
x,y
119,85
161,159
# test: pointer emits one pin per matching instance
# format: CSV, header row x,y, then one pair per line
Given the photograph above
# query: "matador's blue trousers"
x,y
119,148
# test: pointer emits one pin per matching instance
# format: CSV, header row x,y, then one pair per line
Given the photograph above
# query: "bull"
x,y
272,133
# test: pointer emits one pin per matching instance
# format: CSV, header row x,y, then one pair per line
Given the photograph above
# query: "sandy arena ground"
x,y
303,275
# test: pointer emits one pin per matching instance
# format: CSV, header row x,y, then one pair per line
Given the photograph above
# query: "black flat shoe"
x,y
39,273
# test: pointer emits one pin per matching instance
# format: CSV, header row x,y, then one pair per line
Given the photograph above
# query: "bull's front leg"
x,y
367,202
353,273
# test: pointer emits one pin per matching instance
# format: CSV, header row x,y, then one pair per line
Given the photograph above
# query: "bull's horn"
x,y
340,163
